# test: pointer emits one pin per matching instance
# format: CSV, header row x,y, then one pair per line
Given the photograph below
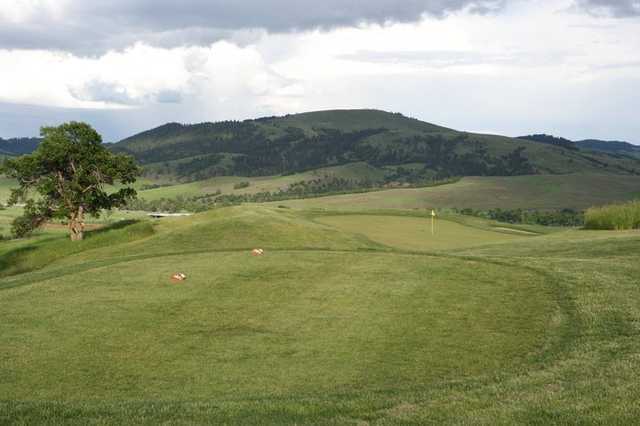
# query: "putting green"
x,y
287,323
414,233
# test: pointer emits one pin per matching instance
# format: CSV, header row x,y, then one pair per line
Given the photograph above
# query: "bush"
x,y
564,217
241,185
614,217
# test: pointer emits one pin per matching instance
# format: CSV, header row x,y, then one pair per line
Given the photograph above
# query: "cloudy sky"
x,y
565,67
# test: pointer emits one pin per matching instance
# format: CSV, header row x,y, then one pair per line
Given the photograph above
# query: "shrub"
x,y
614,216
564,217
241,185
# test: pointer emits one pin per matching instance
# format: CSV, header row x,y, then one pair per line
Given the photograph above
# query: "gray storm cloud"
x,y
615,8
92,27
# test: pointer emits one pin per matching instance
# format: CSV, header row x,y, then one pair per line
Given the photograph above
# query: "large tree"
x,y
71,173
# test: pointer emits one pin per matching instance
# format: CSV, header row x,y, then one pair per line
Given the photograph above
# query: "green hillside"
x,y
545,192
301,142
18,146
366,319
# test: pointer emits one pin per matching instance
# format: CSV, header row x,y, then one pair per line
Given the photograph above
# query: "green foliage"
x,y
69,172
614,216
241,185
173,205
148,186
562,217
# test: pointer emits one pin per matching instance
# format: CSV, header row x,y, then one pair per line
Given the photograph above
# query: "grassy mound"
x,y
19,257
614,217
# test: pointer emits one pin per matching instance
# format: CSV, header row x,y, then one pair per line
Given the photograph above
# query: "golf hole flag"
x,y
433,220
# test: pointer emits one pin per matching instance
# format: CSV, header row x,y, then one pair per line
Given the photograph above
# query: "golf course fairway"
x,y
345,319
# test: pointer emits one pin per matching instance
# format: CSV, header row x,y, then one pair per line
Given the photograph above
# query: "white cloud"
x,y
535,64
139,76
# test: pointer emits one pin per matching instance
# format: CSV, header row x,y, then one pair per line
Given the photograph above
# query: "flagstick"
x,y
433,220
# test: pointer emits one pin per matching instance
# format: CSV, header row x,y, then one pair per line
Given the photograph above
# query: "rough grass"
x,y
614,217
529,192
226,184
329,327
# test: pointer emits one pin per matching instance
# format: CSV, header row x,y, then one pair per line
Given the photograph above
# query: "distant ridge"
x,y
388,141
608,146
307,141
18,146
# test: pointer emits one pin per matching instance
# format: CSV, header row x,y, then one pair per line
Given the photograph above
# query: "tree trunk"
x,y
76,225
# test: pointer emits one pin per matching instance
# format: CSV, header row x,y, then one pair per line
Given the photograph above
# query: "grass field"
x,y
529,192
347,319
414,233
225,184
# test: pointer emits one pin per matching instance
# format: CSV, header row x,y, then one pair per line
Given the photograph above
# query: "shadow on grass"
x,y
111,227
40,253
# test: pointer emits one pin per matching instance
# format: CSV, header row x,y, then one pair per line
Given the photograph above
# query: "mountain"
x,y
18,146
294,143
617,147
551,140
614,148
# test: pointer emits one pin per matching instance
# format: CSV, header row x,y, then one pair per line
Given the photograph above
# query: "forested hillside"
x,y
18,146
294,143
614,147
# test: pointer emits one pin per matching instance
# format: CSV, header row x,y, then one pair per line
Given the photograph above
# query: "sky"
x,y
565,67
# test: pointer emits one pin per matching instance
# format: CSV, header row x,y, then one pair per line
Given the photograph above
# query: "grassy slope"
x,y
259,184
329,327
533,192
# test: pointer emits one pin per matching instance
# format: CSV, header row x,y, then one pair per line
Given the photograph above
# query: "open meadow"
x,y
361,318
577,191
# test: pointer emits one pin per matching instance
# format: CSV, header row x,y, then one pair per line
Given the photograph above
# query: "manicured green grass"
x,y
614,216
414,233
347,319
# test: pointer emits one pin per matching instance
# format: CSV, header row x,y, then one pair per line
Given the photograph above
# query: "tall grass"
x,y
614,216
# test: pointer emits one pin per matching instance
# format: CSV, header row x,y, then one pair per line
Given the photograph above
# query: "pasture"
x,y
578,191
346,319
